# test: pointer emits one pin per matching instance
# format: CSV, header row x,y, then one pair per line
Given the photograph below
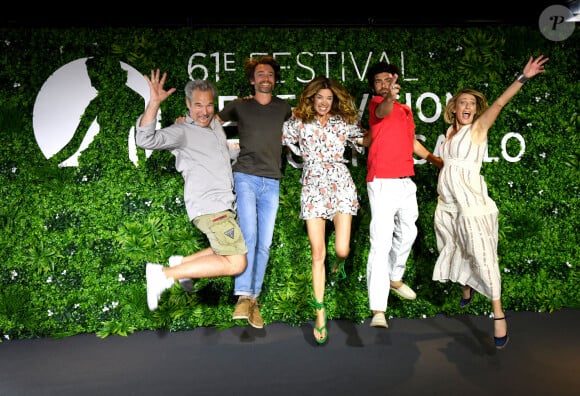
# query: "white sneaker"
x,y
186,283
157,283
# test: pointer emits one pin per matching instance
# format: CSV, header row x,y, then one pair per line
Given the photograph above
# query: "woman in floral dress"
x,y
323,124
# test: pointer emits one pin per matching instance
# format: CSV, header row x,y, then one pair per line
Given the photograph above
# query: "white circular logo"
x,y
61,103
557,23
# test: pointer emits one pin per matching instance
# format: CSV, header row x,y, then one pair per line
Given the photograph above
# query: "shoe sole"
x,y
403,296
464,302
381,321
152,301
501,346
242,316
186,284
255,326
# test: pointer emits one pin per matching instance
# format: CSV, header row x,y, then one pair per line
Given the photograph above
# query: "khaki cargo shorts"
x,y
223,231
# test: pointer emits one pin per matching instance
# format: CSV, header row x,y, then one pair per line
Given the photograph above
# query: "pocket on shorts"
x,y
226,231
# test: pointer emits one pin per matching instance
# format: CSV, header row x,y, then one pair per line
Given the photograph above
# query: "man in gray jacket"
x,y
202,157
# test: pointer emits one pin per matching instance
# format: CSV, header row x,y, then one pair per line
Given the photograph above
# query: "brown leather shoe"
x,y
242,310
255,319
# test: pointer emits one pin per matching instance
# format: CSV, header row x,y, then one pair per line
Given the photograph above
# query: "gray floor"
x,y
434,356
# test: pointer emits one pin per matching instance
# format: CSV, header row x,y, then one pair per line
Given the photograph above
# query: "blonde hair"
x,y
480,100
342,103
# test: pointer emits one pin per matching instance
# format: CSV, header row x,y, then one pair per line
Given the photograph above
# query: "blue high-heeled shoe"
x,y
501,342
465,301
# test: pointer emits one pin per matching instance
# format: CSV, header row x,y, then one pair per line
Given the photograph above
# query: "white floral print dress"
x,y
327,185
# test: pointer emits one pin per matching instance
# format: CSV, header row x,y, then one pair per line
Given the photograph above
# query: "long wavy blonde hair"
x,y
342,103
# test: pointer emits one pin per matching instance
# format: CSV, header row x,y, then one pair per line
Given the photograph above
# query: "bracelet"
x,y
522,78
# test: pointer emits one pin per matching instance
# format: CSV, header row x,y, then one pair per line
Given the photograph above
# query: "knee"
x,y
342,252
318,255
238,264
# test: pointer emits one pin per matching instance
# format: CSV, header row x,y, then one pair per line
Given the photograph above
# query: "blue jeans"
x,y
257,205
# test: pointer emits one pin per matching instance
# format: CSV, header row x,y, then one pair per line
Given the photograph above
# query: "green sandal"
x,y
338,272
318,306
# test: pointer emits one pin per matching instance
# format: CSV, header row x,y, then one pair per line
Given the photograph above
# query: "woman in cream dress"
x,y
466,218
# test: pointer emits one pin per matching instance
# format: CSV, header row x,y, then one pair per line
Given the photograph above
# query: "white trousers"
x,y
394,212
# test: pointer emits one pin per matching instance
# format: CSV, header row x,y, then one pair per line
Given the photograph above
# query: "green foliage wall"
x,y
75,240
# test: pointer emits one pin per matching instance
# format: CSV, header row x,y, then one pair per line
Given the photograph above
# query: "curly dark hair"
x,y
251,64
381,67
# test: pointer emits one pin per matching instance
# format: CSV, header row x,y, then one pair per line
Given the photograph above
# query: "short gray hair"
x,y
199,85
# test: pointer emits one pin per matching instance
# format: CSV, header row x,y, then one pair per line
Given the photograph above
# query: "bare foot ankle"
x,y
466,292
499,326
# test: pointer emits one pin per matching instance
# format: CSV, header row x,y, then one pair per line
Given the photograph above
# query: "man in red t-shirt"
x,y
392,192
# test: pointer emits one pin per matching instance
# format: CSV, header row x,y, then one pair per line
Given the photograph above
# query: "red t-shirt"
x,y
391,151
